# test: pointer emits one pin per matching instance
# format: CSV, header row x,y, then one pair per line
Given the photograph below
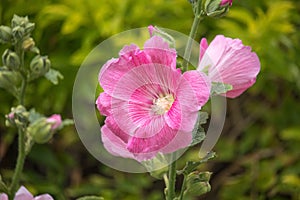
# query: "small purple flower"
x,y
55,121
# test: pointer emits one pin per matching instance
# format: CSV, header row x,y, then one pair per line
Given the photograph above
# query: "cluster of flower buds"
x,y
18,35
17,117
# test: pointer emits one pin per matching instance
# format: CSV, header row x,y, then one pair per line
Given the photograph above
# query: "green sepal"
x,y
53,76
157,166
218,88
9,80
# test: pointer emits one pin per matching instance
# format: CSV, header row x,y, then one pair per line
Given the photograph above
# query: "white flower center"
x,y
162,104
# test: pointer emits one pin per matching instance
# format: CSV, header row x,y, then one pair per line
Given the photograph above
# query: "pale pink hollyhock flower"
x,y
150,106
24,194
225,2
228,61
55,121
3,196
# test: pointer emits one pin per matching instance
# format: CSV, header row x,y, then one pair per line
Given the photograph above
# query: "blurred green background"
x,y
258,153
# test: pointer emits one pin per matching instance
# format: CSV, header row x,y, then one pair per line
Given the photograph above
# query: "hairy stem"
x,y
192,36
21,130
182,188
172,179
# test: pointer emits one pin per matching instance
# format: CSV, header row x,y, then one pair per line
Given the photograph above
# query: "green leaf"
x,y
220,88
53,76
3,187
192,165
90,198
198,132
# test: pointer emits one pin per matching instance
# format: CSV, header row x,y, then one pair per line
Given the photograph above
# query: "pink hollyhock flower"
x,y
228,61
55,121
150,106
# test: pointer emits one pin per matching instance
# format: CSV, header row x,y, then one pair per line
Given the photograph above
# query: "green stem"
x,y
172,178
192,36
182,188
20,162
21,130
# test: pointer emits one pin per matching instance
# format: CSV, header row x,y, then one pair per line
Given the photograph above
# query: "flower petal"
x,y
160,52
23,194
152,144
43,197
213,53
113,144
103,103
130,57
200,84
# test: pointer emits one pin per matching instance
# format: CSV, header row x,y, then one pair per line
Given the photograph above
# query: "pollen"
x,y
162,104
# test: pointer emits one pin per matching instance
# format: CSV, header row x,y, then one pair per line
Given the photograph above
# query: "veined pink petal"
x,y
200,84
113,144
103,103
213,53
160,52
239,89
113,126
228,61
181,140
136,91
138,145
130,57
23,194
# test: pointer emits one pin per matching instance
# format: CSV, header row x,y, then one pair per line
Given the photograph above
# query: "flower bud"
x,y
217,8
55,121
5,34
18,116
196,185
40,131
28,44
29,27
19,21
18,33
9,80
40,65
10,59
